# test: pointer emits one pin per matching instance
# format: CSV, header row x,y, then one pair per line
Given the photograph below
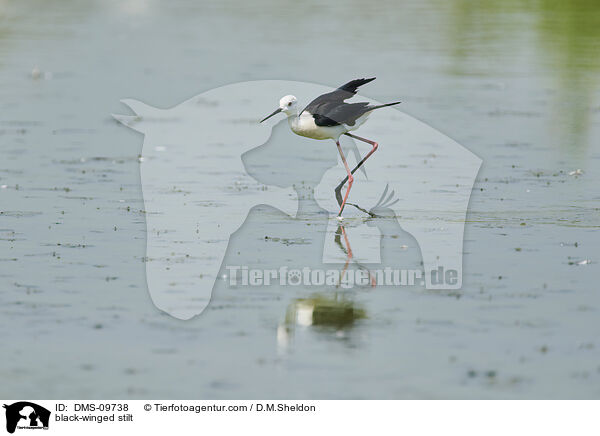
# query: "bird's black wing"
x,y
334,114
338,96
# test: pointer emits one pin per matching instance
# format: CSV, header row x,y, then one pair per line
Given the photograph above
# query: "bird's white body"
x,y
304,125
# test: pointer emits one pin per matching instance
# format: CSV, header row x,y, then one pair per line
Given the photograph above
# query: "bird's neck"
x,y
292,117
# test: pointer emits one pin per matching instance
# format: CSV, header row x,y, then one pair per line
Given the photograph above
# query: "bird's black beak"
x,y
274,113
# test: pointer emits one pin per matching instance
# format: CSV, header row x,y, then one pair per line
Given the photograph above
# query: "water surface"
x,y
517,83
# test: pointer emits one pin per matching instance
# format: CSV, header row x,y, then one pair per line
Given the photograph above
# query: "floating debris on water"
x,y
565,244
36,73
287,241
581,262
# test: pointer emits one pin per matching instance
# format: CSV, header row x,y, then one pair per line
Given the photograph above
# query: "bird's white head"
x,y
288,105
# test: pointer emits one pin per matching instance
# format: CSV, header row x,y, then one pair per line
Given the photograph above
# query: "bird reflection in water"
x,y
347,249
381,210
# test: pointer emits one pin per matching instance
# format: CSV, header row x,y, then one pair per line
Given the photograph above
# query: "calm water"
x,y
517,84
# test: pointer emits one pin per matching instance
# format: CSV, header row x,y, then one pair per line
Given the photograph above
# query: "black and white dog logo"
x,y
26,415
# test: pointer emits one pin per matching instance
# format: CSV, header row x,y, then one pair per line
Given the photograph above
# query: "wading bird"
x,y
329,117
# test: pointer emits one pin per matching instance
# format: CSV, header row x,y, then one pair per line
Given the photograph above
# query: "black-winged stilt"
x,y
329,117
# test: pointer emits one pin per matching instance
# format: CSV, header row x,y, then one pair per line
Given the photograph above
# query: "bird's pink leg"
x,y
350,177
339,187
368,141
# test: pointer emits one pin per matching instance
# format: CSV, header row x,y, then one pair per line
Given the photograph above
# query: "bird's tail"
x,y
372,108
